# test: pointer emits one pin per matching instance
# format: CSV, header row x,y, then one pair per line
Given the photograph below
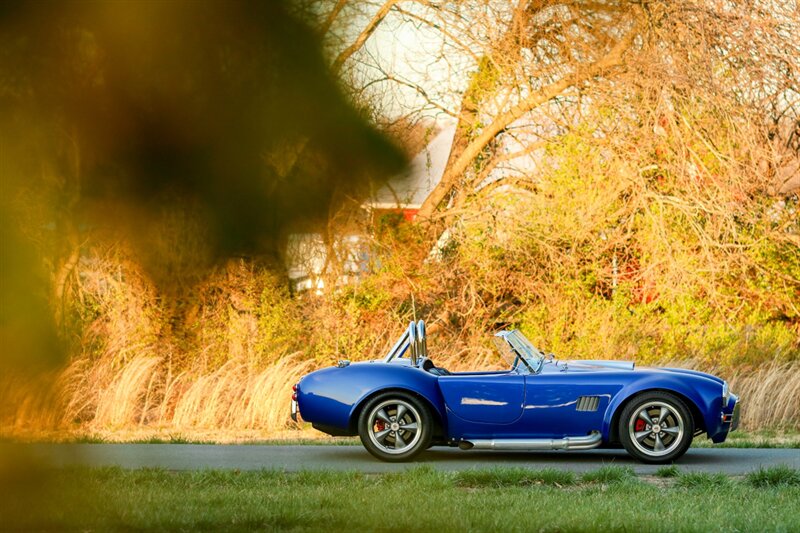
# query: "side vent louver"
x,y
588,403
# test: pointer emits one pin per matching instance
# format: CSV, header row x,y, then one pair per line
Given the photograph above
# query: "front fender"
x,y
331,396
702,391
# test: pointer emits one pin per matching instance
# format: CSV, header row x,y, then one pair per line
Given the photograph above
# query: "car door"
x,y
564,404
486,398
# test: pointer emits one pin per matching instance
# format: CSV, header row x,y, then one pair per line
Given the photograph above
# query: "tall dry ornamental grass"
x,y
227,366
143,395
770,396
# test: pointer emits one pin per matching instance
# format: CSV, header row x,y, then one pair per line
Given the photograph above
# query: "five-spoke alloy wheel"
x,y
395,426
656,427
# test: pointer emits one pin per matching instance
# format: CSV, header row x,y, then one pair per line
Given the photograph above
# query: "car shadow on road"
x,y
454,456
705,457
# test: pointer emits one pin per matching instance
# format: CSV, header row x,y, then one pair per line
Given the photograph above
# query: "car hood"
x,y
585,365
618,366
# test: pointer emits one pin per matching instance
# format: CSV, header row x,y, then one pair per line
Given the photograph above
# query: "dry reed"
x,y
239,397
770,396
142,394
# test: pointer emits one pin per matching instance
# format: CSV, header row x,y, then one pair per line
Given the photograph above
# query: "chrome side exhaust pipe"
x,y
586,442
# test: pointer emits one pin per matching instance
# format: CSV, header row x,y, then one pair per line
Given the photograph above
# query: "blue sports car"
x,y
404,404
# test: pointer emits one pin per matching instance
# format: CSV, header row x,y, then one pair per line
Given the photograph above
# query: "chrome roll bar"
x,y
422,340
412,340
399,348
413,343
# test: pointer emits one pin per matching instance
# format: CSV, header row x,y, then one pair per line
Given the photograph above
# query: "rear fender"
x,y
332,396
438,412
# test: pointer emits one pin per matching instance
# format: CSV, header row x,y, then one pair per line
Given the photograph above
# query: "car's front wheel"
x,y
395,426
656,427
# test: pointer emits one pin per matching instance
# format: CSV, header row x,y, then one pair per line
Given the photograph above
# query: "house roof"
x,y
409,189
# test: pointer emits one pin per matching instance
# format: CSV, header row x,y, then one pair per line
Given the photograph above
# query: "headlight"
x,y
726,394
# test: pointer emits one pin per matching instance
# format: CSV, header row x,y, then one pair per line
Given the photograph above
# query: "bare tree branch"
x,y
362,37
612,59
326,26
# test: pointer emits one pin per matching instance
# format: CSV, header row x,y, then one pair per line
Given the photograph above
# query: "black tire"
x,y
389,439
665,435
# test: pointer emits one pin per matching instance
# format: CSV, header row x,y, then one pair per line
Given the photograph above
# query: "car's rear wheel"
x,y
656,427
395,426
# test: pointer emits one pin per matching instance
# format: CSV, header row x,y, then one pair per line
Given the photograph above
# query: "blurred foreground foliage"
x,y
117,117
153,159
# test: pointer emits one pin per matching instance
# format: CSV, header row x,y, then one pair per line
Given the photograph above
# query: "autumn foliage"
x,y
622,185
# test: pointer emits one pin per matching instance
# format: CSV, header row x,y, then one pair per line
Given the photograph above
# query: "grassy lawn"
x,y
417,500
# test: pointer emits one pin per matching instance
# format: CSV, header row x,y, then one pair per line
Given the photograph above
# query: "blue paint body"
x,y
504,405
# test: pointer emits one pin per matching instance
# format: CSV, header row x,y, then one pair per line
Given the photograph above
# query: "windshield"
x,y
518,351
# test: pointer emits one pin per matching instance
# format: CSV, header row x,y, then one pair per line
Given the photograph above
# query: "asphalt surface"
x,y
734,461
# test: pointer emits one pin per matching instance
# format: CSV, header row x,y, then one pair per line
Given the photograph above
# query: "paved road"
x,y
294,458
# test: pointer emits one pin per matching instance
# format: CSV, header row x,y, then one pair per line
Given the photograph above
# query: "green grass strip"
x,y
514,477
702,480
609,474
774,476
418,499
668,471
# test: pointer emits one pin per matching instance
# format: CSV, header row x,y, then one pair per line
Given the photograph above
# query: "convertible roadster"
x,y
404,403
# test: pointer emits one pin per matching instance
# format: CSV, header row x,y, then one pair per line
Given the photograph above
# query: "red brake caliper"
x,y
639,425
380,425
